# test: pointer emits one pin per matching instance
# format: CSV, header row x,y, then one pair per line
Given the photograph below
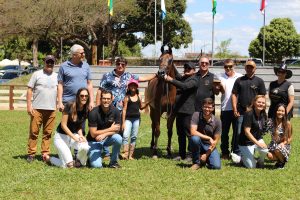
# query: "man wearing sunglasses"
x,y
206,86
227,116
244,90
72,75
42,88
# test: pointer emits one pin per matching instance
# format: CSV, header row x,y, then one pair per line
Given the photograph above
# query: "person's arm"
x,y
60,104
253,139
143,105
234,105
30,110
81,137
211,147
64,126
146,77
91,91
124,111
289,133
98,96
184,85
99,135
291,94
194,132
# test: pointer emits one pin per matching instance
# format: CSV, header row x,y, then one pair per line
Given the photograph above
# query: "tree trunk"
x,y
94,53
35,52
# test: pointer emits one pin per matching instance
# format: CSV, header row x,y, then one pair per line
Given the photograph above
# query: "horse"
x,y
163,98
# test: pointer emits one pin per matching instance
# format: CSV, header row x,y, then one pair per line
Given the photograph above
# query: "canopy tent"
x,y
6,62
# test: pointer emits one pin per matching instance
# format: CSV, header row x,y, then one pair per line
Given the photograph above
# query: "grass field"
x,y
143,178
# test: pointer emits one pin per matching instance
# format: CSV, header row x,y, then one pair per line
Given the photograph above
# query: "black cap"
x,y
283,67
190,65
49,57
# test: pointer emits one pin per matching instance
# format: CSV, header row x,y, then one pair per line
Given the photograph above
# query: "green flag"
x,y
214,7
110,7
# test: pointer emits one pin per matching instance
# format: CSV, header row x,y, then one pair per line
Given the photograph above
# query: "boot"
x,y
125,153
131,152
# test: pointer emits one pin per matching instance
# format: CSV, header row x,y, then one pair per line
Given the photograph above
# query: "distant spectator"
x,y
42,110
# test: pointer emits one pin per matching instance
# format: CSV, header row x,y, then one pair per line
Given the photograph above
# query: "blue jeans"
x,y
198,148
227,118
247,153
236,135
131,129
96,149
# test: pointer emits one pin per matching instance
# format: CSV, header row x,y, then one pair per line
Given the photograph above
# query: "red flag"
x,y
263,5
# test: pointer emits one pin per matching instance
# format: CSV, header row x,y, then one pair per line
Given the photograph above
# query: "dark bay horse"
x,y
162,95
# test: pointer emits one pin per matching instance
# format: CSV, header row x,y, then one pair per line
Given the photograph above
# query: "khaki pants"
x,y
47,119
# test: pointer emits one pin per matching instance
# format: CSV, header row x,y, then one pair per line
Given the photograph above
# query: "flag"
x,y
163,9
110,7
263,6
214,7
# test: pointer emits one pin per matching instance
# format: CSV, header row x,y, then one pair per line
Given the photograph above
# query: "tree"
x,y
223,49
281,40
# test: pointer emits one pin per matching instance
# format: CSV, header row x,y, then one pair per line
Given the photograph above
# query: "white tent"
x,y
6,62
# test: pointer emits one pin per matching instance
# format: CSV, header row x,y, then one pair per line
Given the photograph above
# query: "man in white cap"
x,y
43,88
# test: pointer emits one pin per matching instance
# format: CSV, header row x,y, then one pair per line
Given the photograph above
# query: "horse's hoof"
x,y
155,157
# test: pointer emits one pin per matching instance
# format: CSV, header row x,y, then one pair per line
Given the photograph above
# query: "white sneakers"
x,y
235,158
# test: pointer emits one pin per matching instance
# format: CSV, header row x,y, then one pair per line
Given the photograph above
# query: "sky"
x,y
238,20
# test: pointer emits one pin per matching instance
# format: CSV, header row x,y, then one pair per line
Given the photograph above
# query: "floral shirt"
x,y
118,85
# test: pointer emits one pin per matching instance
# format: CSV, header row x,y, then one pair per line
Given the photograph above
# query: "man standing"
x,y
227,117
206,132
72,75
104,125
244,91
206,87
43,88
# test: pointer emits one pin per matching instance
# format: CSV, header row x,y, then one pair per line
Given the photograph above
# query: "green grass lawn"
x,y
143,178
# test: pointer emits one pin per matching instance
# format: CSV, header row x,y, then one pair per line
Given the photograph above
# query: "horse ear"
x,y
170,49
162,49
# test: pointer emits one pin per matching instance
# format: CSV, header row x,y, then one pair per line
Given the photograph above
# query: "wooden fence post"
x,y
11,97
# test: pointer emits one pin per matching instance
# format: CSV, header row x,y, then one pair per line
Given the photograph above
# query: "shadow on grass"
x,y
268,165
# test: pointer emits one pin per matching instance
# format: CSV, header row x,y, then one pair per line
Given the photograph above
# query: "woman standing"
x,y
281,91
69,132
281,132
251,133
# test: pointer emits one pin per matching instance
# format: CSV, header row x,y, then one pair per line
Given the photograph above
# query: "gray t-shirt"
x,y
44,87
73,78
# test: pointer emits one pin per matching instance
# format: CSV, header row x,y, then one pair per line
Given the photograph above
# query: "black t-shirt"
x,y
205,89
74,126
246,89
97,118
256,124
133,109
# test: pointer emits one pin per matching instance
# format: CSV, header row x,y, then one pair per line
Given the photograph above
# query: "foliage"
x,y
223,49
144,178
281,40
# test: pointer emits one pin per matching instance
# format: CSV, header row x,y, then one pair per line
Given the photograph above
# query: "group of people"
x,y
115,119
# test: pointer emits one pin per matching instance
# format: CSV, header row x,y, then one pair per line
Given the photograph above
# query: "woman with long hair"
x,y
69,132
253,128
281,132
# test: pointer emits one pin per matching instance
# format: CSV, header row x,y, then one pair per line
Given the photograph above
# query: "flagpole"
x,y
155,33
162,32
264,40
212,43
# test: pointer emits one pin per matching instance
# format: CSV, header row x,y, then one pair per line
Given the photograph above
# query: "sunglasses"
x,y
50,63
228,66
204,63
122,64
84,96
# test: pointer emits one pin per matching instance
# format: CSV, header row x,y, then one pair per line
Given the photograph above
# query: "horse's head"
x,y
166,59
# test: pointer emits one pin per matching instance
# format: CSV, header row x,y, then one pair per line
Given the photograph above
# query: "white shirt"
x,y
227,82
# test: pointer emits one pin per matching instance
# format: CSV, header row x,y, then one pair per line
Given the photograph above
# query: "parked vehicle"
x,y
257,61
14,68
296,63
10,74
290,61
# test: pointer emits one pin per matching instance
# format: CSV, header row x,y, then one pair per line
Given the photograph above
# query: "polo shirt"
x,y
246,89
117,85
97,118
209,128
73,77
205,89
256,124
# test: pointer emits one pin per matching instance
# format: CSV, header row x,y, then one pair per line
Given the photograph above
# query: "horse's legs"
x,y
170,122
156,136
152,128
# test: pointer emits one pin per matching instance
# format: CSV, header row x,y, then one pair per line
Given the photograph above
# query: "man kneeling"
x,y
206,132
104,125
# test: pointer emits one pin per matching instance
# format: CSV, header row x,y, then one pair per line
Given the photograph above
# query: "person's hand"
x,y
281,145
203,158
115,127
168,78
82,139
123,127
30,110
262,145
212,143
236,113
91,105
99,138
60,106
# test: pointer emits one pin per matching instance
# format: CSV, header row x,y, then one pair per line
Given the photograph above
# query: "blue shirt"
x,y
118,85
73,77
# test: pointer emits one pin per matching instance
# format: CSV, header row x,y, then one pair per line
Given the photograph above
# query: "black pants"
x,y
227,118
183,124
